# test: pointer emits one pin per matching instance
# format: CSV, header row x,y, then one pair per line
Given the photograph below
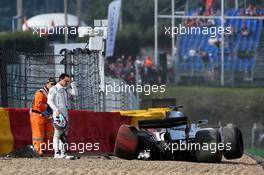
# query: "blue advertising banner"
x,y
113,18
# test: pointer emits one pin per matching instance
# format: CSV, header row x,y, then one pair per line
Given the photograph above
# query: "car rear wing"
x,y
163,123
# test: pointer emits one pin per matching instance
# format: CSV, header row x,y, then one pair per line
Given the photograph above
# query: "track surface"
x,y
100,165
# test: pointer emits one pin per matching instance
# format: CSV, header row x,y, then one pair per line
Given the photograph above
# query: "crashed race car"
x,y
175,138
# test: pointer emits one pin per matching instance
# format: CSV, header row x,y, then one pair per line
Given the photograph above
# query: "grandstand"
x,y
200,56
238,43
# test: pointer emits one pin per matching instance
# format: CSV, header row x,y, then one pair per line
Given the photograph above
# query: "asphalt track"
x,y
98,165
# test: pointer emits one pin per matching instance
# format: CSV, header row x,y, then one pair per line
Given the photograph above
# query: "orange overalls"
x,y
42,129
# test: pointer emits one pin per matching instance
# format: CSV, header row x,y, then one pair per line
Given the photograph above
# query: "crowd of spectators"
x,y
203,10
207,10
251,10
149,73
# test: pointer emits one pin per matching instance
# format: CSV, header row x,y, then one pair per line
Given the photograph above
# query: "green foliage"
x,y
138,12
128,41
137,21
92,10
22,41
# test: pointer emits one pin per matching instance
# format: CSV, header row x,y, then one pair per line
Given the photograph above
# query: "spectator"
x,y
211,22
192,52
148,62
251,10
241,12
209,4
170,75
163,73
124,68
214,41
201,5
230,34
152,75
204,56
218,12
255,11
244,30
131,79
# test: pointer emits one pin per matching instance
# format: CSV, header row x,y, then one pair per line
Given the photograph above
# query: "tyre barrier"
x,y
84,127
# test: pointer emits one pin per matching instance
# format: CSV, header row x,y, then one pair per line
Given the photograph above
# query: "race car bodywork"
x,y
175,138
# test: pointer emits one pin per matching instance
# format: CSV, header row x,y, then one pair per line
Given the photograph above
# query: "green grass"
x,y
255,152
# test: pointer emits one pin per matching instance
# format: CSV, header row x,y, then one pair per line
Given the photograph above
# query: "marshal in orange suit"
x,y
40,118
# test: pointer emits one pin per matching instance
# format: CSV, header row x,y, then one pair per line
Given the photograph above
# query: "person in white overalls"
x,y
58,101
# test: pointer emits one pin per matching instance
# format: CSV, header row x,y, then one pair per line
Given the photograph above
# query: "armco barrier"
x,y
6,137
93,131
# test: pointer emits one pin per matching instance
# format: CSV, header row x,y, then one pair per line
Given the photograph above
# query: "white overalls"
x,y
58,101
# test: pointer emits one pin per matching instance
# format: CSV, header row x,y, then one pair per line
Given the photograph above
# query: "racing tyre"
x,y
233,141
208,151
126,145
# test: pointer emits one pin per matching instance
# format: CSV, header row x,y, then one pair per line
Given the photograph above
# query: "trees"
x,y
23,41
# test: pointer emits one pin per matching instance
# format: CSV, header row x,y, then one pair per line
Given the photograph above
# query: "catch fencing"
x,y
22,74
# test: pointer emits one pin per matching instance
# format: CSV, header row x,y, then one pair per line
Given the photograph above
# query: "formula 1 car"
x,y
175,138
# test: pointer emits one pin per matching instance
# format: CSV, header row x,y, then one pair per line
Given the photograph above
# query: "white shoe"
x,y
68,157
59,156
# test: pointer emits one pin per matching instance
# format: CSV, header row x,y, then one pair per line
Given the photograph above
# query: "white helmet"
x,y
60,122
